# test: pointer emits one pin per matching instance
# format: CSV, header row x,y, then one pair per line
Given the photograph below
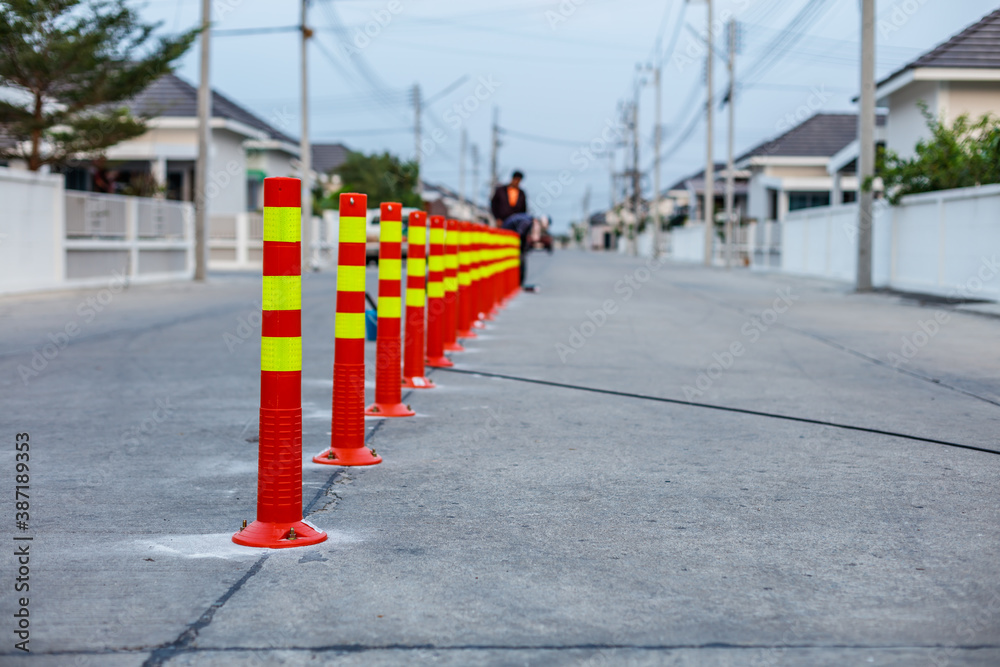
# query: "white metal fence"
x,y
140,238
236,242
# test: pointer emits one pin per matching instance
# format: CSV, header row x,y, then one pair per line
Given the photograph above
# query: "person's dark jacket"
x,y
500,204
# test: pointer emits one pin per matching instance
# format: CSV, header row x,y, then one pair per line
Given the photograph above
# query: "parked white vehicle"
x,y
372,230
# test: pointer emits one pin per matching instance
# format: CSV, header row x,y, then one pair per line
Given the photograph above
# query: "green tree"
x,y
70,67
382,177
963,155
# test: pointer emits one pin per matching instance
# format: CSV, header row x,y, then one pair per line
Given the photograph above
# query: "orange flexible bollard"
x,y
388,373
478,269
435,297
416,274
347,437
451,238
515,264
279,521
489,261
465,293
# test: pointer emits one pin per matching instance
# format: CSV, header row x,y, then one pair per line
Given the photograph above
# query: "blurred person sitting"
x,y
509,199
524,225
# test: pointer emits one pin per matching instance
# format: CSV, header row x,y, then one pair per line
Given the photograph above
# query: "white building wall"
x,y
227,174
972,97
905,125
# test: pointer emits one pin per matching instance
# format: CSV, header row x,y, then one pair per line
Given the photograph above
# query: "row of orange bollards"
x,y
470,272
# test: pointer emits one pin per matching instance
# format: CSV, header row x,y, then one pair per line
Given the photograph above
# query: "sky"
x,y
556,71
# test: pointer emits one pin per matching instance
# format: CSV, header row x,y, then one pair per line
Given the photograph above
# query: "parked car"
x,y
372,230
540,238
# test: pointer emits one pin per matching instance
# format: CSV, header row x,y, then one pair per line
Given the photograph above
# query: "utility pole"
x,y
204,132
657,140
463,149
585,219
866,142
730,177
416,132
614,181
305,148
636,178
474,149
709,164
494,148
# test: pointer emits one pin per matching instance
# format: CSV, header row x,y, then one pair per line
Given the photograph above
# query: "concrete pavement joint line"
x,y
363,648
165,652
723,408
843,348
180,645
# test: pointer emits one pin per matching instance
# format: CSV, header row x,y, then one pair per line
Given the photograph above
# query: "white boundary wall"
x,y
687,244
32,229
945,243
54,239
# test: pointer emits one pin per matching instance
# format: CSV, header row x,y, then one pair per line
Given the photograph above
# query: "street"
x,y
514,522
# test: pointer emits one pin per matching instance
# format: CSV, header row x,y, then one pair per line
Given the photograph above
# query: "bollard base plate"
x,y
439,362
418,382
453,347
348,456
389,410
274,535
468,333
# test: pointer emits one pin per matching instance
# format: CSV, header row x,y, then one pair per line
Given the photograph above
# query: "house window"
x,y
799,200
254,190
849,196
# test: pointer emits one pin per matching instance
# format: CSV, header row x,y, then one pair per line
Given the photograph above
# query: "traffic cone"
x,y
465,293
347,436
279,521
451,239
388,378
416,272
436,319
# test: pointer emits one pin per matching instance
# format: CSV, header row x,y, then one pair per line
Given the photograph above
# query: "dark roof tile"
x,y
821,135
978,46
173,97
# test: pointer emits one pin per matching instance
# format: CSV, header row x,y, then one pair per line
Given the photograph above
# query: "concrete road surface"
x,y
516,523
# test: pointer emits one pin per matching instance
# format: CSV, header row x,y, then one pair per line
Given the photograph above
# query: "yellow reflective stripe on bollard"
x,y
437,236
280,354
350,279
282,293
417,235
349,325
352,230
283,223
416,266
391,231
415,297
390,306
390,269
435,290
436,263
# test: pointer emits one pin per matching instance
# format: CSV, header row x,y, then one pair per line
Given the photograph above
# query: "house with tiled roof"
x,y
789,172
960,75
244,150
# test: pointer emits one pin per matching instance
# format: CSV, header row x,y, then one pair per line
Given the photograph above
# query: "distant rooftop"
x,y
821,135
327,157
976,47
173,97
